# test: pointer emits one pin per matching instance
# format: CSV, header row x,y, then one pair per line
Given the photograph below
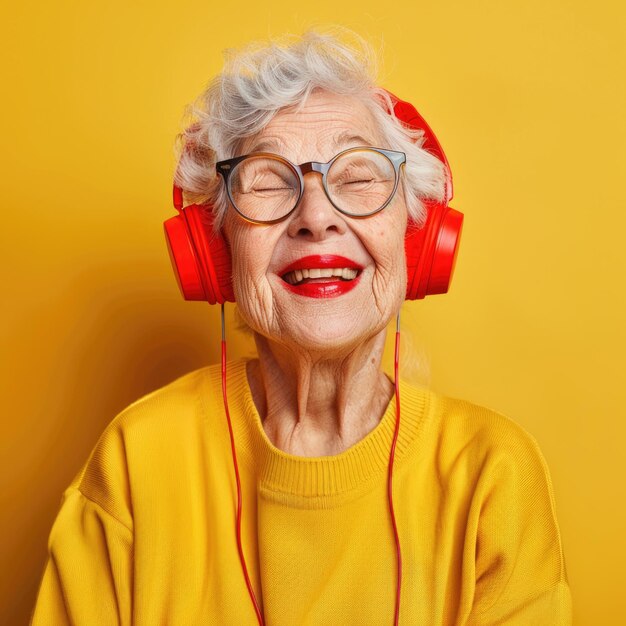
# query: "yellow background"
x,y
527,98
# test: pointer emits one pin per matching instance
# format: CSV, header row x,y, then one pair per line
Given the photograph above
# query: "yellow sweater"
x,y
146,531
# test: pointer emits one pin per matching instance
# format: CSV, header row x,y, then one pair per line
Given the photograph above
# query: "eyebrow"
x,y
346,137
268,145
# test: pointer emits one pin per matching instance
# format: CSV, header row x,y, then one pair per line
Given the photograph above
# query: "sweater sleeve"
x,y
87,579
521,576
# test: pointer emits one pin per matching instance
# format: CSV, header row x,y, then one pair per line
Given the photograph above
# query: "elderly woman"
x,y
261,491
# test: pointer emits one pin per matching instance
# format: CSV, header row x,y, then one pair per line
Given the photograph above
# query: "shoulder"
x,y
481,439
153,432
164,411
491,466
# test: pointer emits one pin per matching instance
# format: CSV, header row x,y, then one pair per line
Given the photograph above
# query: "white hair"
x,y
263,78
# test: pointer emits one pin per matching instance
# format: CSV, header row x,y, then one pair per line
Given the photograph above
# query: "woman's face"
x,y
327,315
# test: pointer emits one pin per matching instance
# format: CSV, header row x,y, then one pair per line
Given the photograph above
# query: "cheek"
x,y
250,253
250,249
247,265
389,281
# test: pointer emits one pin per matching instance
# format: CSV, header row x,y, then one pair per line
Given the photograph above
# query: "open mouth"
x,y
320,275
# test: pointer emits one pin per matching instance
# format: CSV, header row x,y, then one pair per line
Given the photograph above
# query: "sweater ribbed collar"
x,y
325,477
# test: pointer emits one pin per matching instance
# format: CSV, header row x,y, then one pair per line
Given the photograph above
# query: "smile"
x,y
321,276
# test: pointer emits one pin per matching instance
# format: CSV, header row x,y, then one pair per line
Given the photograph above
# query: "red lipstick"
x,y
325,287
321,260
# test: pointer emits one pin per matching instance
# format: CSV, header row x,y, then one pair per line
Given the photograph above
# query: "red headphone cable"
x,y
239,504
396,383
389,484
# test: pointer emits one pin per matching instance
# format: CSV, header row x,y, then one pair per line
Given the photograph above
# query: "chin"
x,y
332,338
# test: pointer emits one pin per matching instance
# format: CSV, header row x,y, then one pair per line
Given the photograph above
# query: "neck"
x,y
313,405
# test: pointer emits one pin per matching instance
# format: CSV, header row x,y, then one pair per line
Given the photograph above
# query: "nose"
x,y
315,218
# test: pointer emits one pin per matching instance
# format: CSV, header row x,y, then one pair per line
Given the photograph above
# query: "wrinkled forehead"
x,y
317,130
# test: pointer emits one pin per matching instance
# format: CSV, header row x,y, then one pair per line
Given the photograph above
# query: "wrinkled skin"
x,y
317,383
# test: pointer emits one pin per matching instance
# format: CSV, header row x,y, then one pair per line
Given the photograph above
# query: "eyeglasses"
x,y
265,188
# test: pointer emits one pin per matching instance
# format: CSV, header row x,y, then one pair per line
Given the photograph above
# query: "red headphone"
x,y
201,258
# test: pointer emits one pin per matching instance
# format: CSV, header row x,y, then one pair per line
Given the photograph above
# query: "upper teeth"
x,y
342,272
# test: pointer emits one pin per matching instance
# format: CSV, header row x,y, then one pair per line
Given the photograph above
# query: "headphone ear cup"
x,y
431,251
200,257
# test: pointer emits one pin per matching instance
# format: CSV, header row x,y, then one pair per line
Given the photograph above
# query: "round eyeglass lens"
x,y
264,188
360,182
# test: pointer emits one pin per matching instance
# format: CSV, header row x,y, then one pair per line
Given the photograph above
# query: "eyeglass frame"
x,y
225,168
